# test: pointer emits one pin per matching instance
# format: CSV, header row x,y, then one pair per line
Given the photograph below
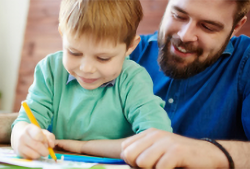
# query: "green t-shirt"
x,y
110,112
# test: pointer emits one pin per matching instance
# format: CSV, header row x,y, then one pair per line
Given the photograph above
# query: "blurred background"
x,y
28,32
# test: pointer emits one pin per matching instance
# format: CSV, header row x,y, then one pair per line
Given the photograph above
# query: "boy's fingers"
x,y
35,133
29,153
39,147
50,138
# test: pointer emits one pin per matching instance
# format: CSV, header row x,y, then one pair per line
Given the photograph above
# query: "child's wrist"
x,y
84,147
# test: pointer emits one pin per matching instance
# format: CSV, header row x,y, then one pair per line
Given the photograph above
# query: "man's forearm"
x,y
6,119
239,151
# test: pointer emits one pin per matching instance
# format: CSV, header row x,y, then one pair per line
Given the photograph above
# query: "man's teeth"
x,y
183,50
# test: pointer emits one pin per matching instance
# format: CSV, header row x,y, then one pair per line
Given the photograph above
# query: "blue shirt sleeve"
x,y
244,88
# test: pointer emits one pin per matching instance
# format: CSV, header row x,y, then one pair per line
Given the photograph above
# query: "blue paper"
x,y
90,159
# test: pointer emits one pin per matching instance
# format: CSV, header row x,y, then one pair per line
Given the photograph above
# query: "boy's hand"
x,y
103,148
70,145
29,141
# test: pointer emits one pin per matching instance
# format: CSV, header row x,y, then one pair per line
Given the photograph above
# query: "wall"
x,y
13,14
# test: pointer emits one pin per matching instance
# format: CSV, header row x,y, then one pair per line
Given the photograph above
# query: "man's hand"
x,y
161,149
29,141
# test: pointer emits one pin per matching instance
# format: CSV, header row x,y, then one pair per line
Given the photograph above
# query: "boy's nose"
x,y
188,32
87,67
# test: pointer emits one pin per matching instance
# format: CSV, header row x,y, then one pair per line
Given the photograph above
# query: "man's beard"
x,y
169,62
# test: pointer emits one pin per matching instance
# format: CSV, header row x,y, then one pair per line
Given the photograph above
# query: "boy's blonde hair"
x,y
115,20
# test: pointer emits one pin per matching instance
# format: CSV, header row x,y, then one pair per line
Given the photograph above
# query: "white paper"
x,y
7,155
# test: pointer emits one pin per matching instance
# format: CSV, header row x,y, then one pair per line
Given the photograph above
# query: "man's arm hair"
x,y
6,119
239,150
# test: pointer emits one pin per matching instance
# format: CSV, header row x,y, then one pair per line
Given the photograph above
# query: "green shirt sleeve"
x,y
40,96
142,108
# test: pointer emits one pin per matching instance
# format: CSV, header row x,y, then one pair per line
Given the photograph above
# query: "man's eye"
x,y
207,28
176,16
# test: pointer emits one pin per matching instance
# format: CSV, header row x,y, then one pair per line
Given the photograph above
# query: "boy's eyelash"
x,y
103,60
79,54
74,54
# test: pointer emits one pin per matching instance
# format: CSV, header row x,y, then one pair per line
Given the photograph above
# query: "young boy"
x,y
91,93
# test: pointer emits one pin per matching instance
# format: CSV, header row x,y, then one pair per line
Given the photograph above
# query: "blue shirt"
x,y
214,103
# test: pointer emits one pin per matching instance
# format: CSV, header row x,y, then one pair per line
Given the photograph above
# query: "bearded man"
x,y
204,77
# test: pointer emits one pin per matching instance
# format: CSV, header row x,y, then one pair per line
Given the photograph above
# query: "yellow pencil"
x,y
34,121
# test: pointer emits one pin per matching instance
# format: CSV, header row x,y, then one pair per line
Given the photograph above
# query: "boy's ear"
x,y
239,25
59,30
133,45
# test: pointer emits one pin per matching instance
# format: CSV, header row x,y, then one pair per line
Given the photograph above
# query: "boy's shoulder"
x,y
132,71
53,59
52,64
130,65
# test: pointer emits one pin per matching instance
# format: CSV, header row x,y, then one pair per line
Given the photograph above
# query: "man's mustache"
x,y
188,46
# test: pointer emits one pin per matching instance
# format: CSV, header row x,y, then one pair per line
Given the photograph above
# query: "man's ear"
x,y
133,45
59,30
239,25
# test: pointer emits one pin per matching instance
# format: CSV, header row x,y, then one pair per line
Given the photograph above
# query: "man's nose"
x,y
188,32
87,66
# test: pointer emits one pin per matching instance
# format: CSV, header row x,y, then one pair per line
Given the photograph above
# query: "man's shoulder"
x,y
148,47
241,55
241,41
149,38
241,49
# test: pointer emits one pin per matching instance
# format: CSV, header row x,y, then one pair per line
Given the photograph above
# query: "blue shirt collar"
x,y
228,51
154,37
108,84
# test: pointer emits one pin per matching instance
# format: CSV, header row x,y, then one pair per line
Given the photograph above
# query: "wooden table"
x,y
99,166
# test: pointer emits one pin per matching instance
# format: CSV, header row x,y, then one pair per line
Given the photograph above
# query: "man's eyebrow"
x,y
179,9
215,23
